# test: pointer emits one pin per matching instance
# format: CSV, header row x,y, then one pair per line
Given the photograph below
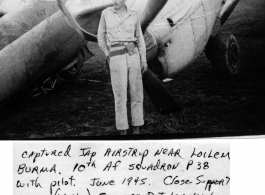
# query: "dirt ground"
x,y
212,106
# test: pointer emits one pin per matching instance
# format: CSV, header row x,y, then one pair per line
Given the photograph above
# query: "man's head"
x,y
118,3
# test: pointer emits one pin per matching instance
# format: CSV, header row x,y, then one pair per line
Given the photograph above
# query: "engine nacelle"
x,y
182,32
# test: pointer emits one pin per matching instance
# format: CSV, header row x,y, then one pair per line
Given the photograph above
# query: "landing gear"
x,y
45,86
223,52
68,74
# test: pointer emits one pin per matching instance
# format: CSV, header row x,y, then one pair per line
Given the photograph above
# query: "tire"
x,y
223,53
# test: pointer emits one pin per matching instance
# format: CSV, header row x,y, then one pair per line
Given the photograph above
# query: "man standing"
x,y
121,39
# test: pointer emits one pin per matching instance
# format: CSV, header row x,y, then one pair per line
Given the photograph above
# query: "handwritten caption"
x,y
121,168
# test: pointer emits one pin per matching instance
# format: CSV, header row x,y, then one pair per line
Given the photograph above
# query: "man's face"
x,y
118,3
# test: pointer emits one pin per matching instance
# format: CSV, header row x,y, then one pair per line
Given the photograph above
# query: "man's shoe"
x,y
123,132
136,130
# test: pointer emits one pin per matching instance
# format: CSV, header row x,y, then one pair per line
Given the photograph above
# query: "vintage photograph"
x,y
131,69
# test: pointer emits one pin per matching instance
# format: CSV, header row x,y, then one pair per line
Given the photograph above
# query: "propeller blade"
x,y
86,35
228,8
153,7
158,94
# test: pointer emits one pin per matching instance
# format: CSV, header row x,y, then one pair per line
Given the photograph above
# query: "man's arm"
x,y
141,45
102,32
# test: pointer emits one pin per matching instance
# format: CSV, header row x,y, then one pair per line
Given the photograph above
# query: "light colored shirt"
x,y
113,29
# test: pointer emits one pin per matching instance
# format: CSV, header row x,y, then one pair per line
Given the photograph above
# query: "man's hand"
x,y
143,67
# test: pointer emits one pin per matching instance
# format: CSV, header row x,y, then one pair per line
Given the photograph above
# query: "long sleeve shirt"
x,y
113,29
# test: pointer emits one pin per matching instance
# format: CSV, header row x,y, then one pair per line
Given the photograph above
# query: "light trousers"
x,y
125,71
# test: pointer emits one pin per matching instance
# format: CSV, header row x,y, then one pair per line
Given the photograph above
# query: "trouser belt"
x,y
124,50
120,44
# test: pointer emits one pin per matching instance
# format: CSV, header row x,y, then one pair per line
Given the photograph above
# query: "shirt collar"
x,y
114,10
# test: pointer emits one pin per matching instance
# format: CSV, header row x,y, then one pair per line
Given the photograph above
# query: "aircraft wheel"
x,y
224,53
74,70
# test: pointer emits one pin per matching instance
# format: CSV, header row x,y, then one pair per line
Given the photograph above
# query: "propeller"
x,y
160,97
